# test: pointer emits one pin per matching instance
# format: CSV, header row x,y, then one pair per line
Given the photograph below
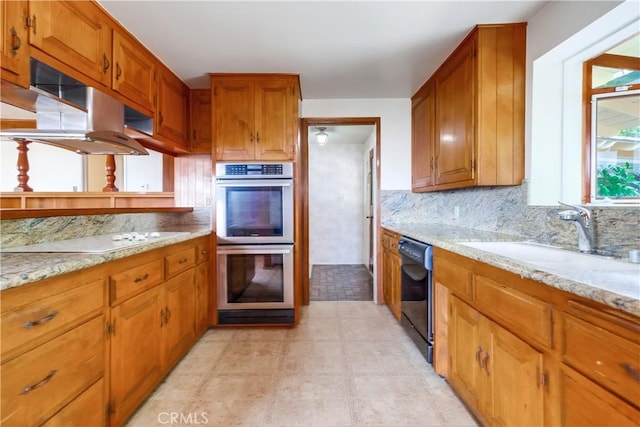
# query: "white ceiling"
x,y
341,49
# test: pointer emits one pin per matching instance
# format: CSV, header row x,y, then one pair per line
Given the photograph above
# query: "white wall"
x,y
560,37
335,203
395,132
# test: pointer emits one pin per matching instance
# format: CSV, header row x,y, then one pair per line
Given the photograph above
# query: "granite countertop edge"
x,y
449,238
17,269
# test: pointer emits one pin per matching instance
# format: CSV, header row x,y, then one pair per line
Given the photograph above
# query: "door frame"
x,y
302,202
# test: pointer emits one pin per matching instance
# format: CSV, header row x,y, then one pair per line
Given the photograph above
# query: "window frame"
x,y
610,61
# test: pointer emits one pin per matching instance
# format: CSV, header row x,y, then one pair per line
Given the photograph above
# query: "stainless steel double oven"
x,y
254,225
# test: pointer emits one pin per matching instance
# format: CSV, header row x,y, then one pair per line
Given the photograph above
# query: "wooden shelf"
x,y
40,204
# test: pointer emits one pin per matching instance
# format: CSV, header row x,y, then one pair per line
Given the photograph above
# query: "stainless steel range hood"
x,y
75,117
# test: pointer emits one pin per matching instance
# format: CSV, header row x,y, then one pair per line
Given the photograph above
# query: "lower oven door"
x,y
255,276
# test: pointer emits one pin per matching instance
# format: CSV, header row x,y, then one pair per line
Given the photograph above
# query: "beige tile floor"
x,y
348,363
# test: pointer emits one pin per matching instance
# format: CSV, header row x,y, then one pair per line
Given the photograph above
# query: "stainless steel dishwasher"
x,y
417,293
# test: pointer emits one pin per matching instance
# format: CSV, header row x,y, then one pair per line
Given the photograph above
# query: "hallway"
x,y
346,364
350,282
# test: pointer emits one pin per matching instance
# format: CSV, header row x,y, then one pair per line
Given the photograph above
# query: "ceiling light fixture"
x,y
322,137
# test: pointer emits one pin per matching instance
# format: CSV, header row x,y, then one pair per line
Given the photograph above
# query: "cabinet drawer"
x,y
135,280
457,279
606,358
180,261
86,410
27,323
521,312
202,253
38,383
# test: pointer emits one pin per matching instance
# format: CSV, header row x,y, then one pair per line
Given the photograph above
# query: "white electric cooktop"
x,y
97,244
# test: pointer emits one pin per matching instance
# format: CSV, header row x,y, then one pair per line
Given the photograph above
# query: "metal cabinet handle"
x,y
16,43
168,314
204,252
160,117
258,137
42,321
33,23
251,136
485,362
478,356
118,71
105,63
183,260
163,318
141,278
631,370
40,383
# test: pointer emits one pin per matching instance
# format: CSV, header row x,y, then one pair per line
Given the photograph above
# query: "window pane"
x,y
617,145
603,77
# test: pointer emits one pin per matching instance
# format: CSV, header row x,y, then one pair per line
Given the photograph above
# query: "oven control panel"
x,y
254,170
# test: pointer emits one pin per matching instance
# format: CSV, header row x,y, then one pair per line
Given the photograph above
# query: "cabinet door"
x,y
77,33
515,370
200,120
455,88
171,114
14,47
233,105
275,119
134,71
396,285
586,404
467,353
178,330
135,352
423,114
202,297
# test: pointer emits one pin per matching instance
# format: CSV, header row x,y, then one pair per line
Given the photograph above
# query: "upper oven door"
x,y
254,211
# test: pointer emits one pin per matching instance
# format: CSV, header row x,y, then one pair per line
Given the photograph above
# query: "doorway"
x,y
338,188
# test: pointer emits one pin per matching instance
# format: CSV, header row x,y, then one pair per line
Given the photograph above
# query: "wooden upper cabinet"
x,y
77,33
200,120
134,71
276,113
171,112
423,111
477,135
14,42
454,117
255,117
233,119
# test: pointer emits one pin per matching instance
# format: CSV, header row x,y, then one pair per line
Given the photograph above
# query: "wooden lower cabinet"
x,y
202,298
178,329
584,403
151,331
521,353
86,410
391,273
495,371
136,364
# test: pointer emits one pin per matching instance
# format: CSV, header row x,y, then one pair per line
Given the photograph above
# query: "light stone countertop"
x,y
620,290
18,269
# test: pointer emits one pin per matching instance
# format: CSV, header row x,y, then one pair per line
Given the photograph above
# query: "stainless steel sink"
x,y
553,257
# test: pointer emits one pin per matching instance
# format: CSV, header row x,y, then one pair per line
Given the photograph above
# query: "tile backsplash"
x,y
505,210
18,232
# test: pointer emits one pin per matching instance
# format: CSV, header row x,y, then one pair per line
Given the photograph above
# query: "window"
x,y
612,125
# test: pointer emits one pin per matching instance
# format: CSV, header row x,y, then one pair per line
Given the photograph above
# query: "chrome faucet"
x,y
581,217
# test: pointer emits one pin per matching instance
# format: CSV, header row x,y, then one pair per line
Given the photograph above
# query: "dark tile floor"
x,y
340,283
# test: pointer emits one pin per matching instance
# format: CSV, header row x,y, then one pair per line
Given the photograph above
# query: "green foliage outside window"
x,y
618,181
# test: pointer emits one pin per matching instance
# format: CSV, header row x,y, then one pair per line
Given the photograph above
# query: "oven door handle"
x,y
256,183
225,251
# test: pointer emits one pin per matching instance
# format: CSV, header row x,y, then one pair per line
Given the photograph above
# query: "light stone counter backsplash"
x,y
505,210
19,232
